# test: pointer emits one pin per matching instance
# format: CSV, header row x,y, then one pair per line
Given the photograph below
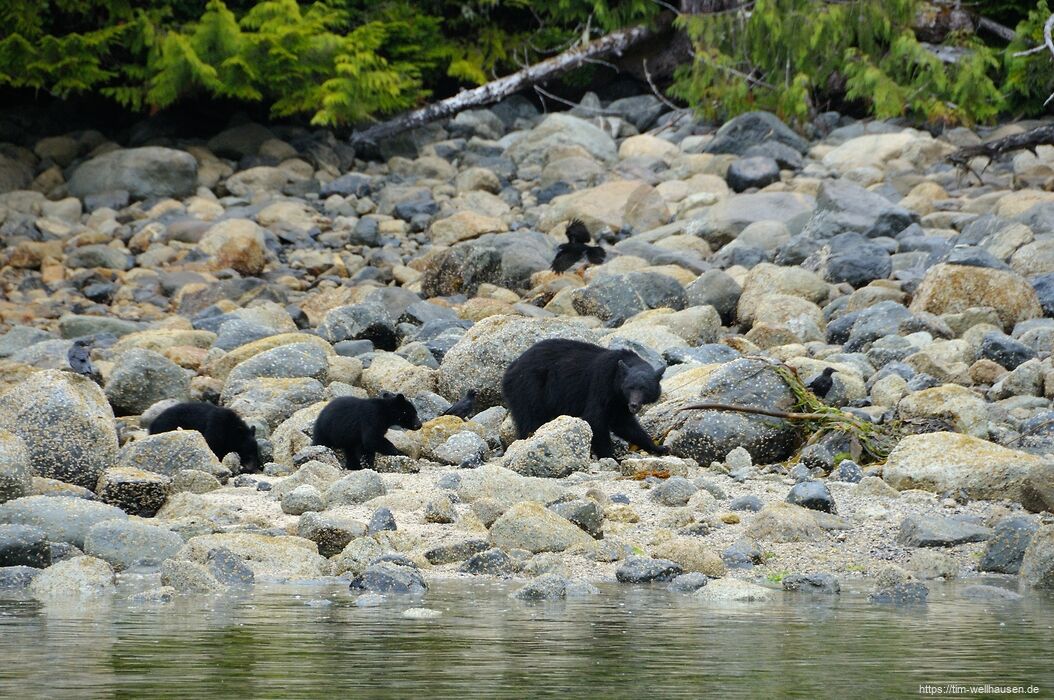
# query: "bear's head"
x,y
638,382
400,411
248,449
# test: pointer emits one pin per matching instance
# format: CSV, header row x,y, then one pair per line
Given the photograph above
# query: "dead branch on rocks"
x,y
612,44
1027,141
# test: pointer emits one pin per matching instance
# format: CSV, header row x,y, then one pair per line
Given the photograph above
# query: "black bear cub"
x,y
357,426
224,430
571,378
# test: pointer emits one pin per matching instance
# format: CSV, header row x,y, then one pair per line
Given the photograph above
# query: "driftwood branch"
x,y
1047,44
1027,141
612,44
992,27
759,411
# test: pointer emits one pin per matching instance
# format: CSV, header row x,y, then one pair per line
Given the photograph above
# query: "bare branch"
x,y
1003,32
655,90
760,411
612,44
1048,43
1029,140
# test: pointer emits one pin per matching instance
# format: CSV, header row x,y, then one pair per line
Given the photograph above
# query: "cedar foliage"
x,y
346,61
797,53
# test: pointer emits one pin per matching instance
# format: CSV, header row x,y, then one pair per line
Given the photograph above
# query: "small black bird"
x,y
79,358
577,245
463,408
822,384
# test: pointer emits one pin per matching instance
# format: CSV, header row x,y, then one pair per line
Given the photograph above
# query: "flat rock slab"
x,y
935,531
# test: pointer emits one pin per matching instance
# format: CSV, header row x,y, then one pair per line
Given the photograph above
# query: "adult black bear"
x,y
224,430
357,426
570,378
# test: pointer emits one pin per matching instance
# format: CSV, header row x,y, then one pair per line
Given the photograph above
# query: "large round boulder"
x,y
66,424
708,436
16,478
141,378
479,359
145,172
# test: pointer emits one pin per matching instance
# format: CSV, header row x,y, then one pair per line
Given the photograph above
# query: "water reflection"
x,y
627,642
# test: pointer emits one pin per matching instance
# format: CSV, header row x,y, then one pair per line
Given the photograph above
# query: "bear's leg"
x,y
602,446
385,447
352,457
627,428
369,456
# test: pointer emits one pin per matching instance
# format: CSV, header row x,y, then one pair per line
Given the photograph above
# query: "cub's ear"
x,y
622,365
386,395
400,397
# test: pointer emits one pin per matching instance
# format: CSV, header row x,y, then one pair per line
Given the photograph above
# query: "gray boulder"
x,y
755,171
481,356
357,487
144,173
141,378
614,298
66,423
127,543
1037,565
24,545
937,531
741,133
170,453
62,519
708,436
390,577
645,570
556,449
1006,548
135,491
16,477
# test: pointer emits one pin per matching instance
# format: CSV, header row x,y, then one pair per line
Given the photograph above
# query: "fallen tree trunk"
x,y
1027,141
612,44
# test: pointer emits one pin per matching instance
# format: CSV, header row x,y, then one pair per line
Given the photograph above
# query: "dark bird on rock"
x,y
577,247
79,358
463,408
821,385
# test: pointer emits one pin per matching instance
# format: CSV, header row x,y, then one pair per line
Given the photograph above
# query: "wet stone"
x,y
229,568
813,495
750,503
494,562
388,577
811,583
1006,548
688,583
381,520
459,551
645,570
909,593
937,531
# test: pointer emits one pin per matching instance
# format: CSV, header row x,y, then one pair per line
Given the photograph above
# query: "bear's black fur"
x,y
224,430
570,378
357,426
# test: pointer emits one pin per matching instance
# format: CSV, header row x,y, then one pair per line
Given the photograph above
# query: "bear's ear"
x,y
386,395
622,365
252,430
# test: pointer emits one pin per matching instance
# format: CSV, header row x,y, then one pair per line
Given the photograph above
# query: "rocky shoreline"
x,y
272,269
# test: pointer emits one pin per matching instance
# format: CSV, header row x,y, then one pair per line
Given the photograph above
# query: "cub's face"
x,y
402,411
249,450
639,384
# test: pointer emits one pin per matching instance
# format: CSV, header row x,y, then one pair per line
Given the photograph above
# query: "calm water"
x,y
278,642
